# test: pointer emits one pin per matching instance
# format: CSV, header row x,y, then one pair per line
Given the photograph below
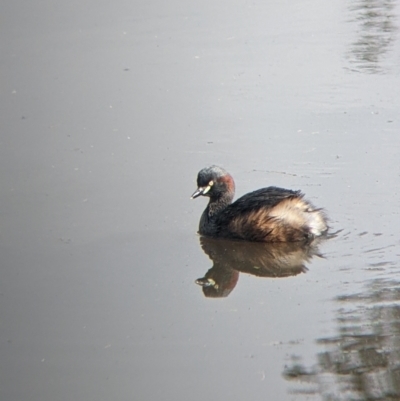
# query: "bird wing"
x,y
249,218
262,198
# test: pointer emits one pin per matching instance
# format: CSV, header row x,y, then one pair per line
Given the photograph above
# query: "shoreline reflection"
x,y
361,362
377,29
230,258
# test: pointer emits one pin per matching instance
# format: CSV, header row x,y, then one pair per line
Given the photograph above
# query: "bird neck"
x,y
216,205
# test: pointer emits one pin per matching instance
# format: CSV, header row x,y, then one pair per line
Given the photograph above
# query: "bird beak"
x,y
200,191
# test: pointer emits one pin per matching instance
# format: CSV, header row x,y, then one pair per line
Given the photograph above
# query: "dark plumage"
x,y
266,215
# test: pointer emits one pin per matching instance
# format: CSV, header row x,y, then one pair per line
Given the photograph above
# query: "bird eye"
x,y
211,183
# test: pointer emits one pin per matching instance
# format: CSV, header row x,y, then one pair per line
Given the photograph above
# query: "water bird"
x,y
269,214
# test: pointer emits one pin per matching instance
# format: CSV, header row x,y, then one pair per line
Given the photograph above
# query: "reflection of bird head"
x,y
218,283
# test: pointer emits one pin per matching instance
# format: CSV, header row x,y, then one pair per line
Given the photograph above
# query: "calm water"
x,y
108,113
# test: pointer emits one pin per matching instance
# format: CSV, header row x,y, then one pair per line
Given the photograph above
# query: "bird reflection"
x,y
259,259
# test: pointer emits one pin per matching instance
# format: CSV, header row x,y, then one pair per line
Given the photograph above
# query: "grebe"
x,y
266,215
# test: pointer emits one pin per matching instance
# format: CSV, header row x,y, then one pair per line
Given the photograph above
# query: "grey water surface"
x,y
108,111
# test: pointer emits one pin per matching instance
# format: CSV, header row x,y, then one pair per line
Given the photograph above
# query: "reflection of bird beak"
x,y
207,282
200,191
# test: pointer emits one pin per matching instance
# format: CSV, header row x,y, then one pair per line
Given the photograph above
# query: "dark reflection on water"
x,y
363,361
377,28
259,259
